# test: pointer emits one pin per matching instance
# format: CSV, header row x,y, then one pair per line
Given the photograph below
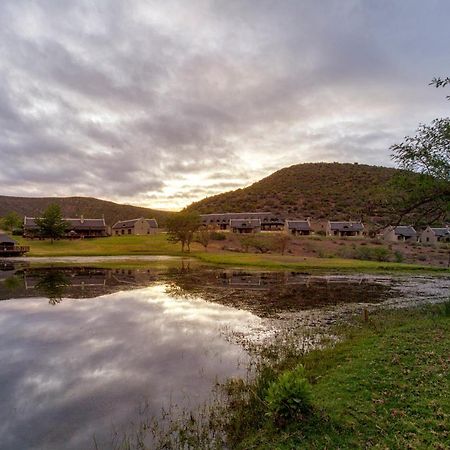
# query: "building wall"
x,y
428,237
390,236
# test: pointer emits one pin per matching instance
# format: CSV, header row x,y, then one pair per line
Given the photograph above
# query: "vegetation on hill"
x,y
77,206
317,190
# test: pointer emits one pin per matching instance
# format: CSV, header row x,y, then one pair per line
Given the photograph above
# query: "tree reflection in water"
x,y
53,284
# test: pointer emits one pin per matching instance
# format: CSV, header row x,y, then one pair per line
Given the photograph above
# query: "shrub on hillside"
x,y
373,254
218,236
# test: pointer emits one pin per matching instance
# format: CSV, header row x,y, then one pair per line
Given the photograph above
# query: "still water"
x,y
82,349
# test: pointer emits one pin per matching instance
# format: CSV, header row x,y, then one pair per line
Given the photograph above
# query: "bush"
x,y
290,397
373,254
218,236
398,256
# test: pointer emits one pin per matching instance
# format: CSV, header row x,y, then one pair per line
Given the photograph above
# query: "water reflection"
x,y
263,293
73,371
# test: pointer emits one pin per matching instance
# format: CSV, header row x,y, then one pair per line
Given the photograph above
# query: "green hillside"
x,y
76,206
316,190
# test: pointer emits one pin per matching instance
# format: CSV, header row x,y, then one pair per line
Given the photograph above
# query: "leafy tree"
x,y
51,224
203,236
181,228
11,221
426,195
441,82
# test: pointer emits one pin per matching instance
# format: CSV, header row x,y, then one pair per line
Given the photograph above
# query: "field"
x,y
158,245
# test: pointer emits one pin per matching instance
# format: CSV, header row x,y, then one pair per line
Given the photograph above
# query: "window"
x,y
129,230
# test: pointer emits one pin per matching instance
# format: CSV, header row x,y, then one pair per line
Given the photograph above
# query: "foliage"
x,y
289,398
181,228
441,82
428,154
373,253
203,236
218,236
51,224
11,221
280,242
318,190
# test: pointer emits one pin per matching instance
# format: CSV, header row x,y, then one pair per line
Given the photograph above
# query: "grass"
x,y
158,245
386,384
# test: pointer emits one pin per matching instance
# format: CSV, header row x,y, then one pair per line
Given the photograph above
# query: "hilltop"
x,y
317,190
76,206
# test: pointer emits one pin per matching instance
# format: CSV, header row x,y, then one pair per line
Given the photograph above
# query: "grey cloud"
x,y
127,101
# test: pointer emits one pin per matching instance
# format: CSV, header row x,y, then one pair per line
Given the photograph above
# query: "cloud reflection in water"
x,y
76,369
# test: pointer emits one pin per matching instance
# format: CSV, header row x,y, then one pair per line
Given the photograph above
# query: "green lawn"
x,y
385,385
158,245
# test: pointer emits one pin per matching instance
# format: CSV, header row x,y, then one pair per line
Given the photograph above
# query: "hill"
x,y
317,190
77,206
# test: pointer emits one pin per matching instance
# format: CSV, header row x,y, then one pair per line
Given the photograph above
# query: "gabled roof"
x,y
132,222
78,223
298,225
126,223
242,223
346,226
405,230
226,217
152,222
440,232
5,239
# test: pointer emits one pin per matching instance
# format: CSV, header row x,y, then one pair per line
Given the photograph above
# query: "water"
x,y
82,349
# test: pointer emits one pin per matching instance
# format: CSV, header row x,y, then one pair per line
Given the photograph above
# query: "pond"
x,y
83,348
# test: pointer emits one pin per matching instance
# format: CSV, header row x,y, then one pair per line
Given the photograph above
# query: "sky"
x,y
161,103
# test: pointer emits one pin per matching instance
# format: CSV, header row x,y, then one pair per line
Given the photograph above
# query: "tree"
x,y
427,154
441,82
181,228
51,224
203,236
11,221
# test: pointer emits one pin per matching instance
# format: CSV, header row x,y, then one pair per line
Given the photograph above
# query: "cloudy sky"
x,y
162,103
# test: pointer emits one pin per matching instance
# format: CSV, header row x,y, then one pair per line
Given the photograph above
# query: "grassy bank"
x,y
158,245
385,385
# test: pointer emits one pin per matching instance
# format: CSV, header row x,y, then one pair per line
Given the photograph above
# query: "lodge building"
x,y
76,228
139,226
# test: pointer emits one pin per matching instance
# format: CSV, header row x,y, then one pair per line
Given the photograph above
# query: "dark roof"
x,y
441,232
346,226
299,225
226,217
152,222
76,223
4,239
130,223
241,223
126,223
405,230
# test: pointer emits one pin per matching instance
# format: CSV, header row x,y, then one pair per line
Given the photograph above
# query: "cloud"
x,y
161,103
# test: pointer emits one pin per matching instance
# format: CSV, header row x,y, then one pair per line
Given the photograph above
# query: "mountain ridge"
x,y
76,206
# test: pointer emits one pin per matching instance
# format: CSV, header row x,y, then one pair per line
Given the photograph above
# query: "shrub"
x,y
373,254
398,256
218,236
289,397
